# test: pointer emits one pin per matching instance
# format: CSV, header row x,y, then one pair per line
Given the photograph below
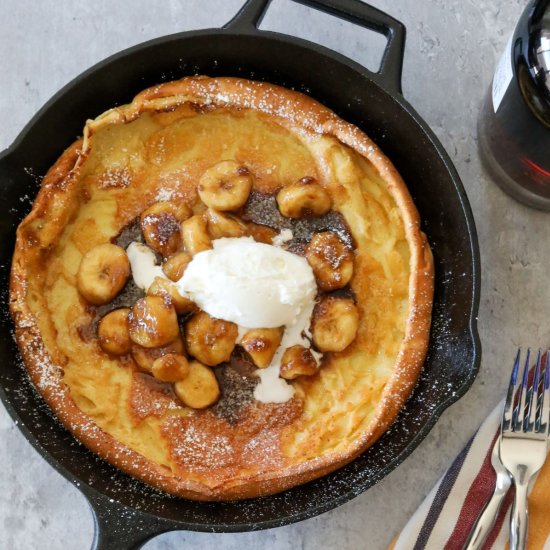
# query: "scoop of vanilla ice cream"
x,y
253,284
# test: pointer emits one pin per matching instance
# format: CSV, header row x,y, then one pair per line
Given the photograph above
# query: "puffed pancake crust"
x,y
156,149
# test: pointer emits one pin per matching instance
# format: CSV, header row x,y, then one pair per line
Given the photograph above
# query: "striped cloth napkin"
x,y
447,515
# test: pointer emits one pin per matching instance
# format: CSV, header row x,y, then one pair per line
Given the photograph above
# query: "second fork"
x,y
523,444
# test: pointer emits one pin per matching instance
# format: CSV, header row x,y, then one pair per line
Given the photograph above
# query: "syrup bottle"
x,y
514,125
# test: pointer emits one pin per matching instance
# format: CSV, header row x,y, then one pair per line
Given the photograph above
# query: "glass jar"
x,y
514,124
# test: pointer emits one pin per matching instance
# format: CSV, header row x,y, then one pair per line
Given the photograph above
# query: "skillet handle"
x,y
354,11
117,527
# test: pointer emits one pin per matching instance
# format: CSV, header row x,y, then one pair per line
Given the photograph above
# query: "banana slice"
x,y
334,323
170,368
225,186
112,332
174,266
210,340
297,361
195,235
165,289
199,389
261,344
331,261
261,233
224,225
160,225
102,273
153,322
305,198
145,357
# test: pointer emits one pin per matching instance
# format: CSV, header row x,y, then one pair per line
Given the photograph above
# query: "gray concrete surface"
x,y
452,48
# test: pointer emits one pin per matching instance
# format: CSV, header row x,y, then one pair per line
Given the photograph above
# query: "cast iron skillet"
x,y
127,513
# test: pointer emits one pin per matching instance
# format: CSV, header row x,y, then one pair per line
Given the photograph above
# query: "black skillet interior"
x,y
126,511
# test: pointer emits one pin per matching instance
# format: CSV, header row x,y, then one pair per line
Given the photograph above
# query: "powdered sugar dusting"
x,y
215,451
164,194
116,177
49,375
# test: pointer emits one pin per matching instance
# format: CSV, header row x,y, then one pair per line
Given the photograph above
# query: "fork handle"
x,y
519,518
488,516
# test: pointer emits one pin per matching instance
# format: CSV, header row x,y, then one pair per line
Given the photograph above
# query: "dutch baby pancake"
x,y
223,289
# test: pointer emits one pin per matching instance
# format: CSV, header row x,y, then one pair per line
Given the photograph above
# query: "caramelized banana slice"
x,y
305,198
145,357
331,261
199,389
112,332
160,225
224,225
210,340
334,323
170,368
195,235
102,273
165,289
153,322
298,361
261,344
175,265
225,186
261,233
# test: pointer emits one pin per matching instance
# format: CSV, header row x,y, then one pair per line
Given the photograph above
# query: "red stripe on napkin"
x,y
480,491
502,516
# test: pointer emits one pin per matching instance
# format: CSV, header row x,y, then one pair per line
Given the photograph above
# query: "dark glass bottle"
x,y
514,125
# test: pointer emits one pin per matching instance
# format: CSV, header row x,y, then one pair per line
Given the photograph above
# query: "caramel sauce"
x,y
127,297
150,397
88,331
128,234
237,382
262,209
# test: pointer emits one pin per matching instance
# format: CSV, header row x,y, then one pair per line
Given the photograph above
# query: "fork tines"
x,y
528,393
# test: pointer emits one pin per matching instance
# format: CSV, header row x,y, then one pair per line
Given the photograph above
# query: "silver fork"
x,y
488,516
523,443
